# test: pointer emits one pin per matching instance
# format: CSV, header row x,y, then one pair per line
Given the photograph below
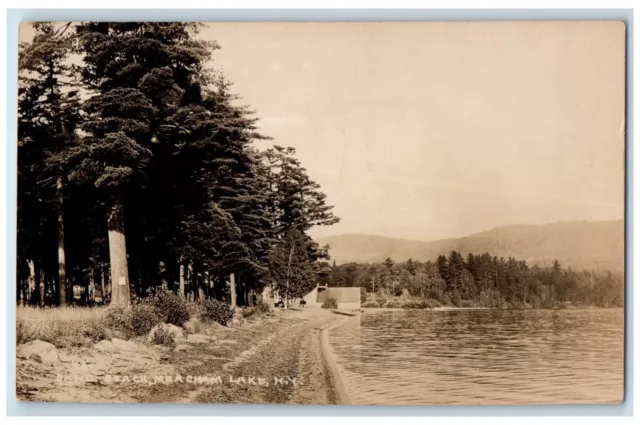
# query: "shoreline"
x,y
338,381
387,309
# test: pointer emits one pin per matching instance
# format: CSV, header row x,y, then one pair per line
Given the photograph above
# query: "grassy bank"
x,y
67,326
84,326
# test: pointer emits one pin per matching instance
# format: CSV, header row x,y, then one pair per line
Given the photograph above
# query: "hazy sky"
x,y
437,130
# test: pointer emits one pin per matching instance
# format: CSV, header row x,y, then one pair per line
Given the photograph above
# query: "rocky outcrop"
x,y
173,330
192,326
122,345
200,338
39,351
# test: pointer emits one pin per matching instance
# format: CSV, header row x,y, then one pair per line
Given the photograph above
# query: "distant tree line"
x,y
137,171
482,281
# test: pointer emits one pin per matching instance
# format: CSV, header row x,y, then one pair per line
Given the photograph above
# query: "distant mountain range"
x,y
578,244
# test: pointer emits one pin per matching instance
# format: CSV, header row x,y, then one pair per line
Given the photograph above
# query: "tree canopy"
x,y
161,174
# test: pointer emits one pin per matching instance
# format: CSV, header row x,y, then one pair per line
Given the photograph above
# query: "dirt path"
x,y
285,365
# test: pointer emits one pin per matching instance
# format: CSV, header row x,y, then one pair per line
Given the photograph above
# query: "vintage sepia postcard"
x,y
377,213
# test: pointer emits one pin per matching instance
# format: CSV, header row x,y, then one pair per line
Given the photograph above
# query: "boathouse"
x,y
348,297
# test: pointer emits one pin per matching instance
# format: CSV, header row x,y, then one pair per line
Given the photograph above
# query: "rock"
x,y
122,345
114,333
173,330
35,357
192,326
119,369
182,347
46,352
105,346
198,339
65,358
176,331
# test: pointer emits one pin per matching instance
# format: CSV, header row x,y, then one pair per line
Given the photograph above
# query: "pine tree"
x,y
138,73
48,117
296,201
290,265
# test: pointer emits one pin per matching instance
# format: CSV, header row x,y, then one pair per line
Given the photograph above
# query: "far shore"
x,y
447,308
427,309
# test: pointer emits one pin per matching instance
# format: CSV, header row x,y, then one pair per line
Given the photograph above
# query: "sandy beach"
x,y
222,365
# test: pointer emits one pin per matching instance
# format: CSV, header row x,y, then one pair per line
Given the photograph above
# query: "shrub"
x,y
118,318
370,304
381,299
330,302
431,303
95,329
217,311
162,337
519,305
256,311
547,303
421,304
393,304
467,304
171,307
363,295
534,301
408,304
143,317
457,298
192,326
136,321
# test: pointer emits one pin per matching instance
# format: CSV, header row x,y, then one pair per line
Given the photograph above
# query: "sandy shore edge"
x,y
339,386
383,309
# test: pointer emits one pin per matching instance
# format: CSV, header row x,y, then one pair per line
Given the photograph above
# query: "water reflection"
x,y
482,356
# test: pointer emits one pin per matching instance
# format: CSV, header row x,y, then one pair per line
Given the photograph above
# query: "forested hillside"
x,y
580,245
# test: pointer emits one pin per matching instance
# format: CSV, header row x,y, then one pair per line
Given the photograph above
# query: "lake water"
x,y
482,356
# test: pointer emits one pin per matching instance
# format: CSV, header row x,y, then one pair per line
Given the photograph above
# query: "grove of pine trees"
x,y
480,280
137,171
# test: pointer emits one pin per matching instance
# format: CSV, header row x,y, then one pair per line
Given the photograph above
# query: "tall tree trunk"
x,y
92,286
19,284
286,299
120,291
208,284
103,286
190,278
233,291
162,271
23,292
201,284
182,277
42,284
62,267
108,283
33,286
